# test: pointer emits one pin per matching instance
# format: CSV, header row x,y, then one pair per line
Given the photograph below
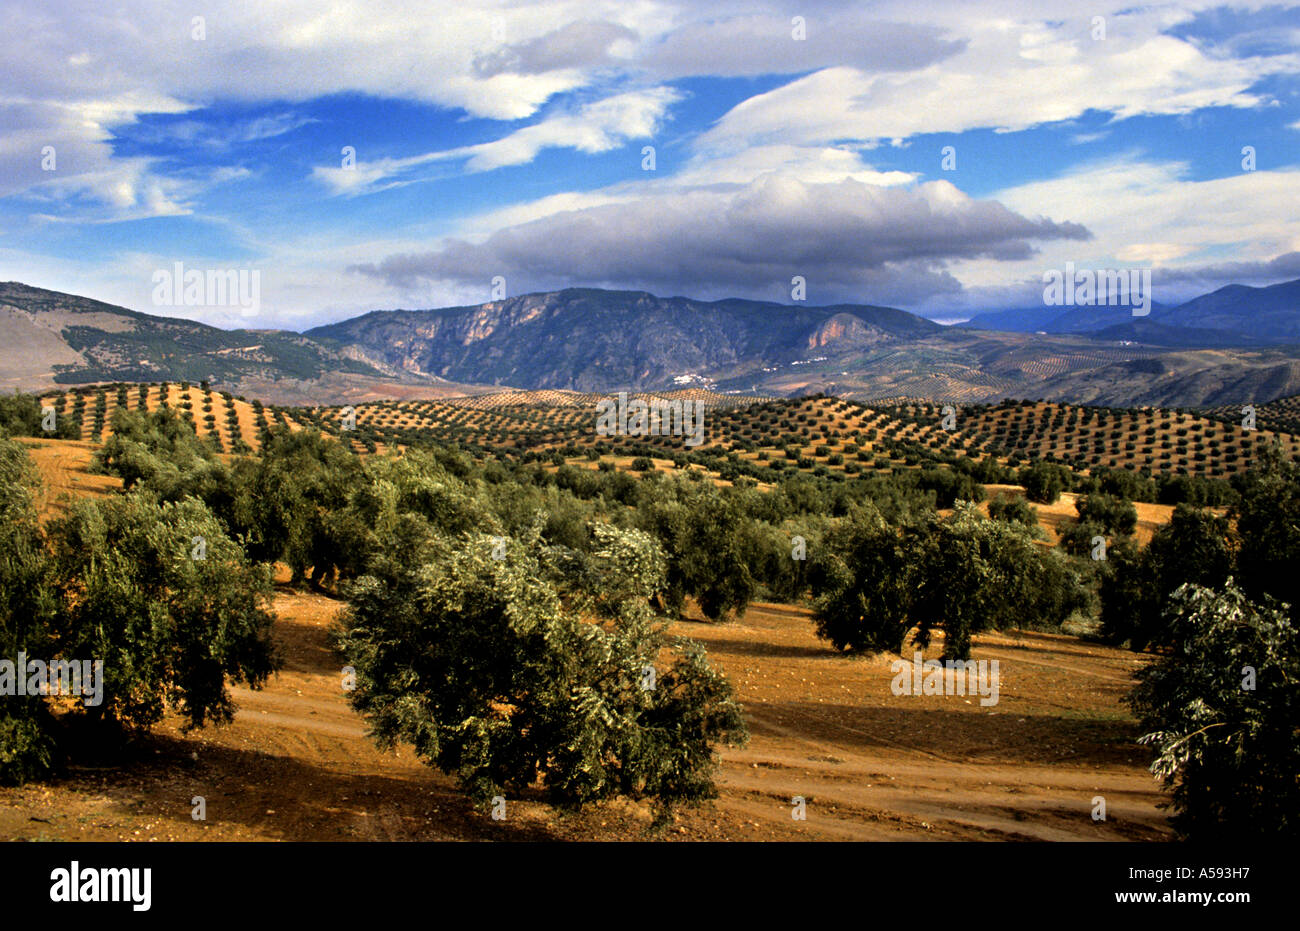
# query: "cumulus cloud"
x,y
750,45
79,70
777,186
1152,214
1126,201
845,238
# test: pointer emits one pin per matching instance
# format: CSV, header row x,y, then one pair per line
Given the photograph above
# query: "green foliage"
x,y
167,601
1126,484
291,504
950,486
1013,509
975,574
1221,710
160,451
27,610
962,574
480,665
702,538
1194,547
1198,492
21,415
118,581
1113,515
1268,525
1044,482
1078,538
862,573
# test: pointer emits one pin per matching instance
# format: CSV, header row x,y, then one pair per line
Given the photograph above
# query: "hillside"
x,y
1160,440
593,340
53,339
879,766
234,424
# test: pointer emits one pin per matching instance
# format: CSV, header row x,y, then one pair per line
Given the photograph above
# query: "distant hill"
x,y
1233,316
584,339
591,340
1048,319
48,338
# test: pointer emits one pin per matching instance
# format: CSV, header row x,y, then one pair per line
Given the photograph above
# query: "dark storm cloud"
x,y
1284,267
846,239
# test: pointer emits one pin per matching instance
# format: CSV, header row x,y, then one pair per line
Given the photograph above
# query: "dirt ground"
x,y
64,469
296,763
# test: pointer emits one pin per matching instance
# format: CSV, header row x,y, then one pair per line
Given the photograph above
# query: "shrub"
x,y
21,415
1013,508
1194,547
167,601
861,575
27,610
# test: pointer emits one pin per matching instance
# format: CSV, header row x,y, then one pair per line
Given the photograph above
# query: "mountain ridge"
x,y
592,339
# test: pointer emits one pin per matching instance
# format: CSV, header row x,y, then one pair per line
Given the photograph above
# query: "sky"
x,y
364,154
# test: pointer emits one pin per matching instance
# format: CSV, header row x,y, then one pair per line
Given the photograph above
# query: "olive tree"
x,y
484,666
167,601
1220,710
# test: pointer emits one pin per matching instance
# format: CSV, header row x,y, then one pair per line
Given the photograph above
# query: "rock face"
x,y
844,332
592,340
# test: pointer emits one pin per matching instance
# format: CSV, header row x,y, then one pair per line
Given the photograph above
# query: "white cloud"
x,y
1146,213
593,128
76,70
1011,76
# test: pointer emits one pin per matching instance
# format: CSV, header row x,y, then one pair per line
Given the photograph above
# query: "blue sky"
x,y
499,139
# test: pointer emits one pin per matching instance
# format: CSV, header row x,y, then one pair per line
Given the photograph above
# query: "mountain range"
x,y
1235,315
1238,344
